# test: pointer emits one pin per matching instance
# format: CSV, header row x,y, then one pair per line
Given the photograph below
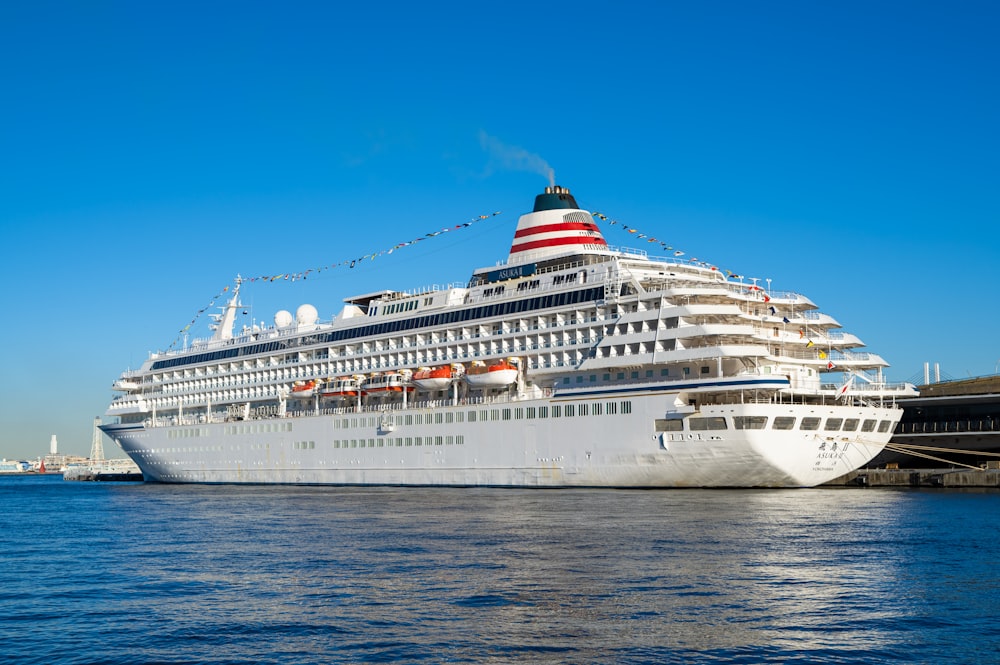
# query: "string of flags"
x,y
347,263
677,253
350,263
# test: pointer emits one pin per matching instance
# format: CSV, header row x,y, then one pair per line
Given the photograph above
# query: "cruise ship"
x,y
571,363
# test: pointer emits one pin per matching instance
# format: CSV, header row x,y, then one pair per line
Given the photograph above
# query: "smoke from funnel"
x,y
514,158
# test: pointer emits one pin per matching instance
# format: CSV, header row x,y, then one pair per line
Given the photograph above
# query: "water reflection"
x,y
548,576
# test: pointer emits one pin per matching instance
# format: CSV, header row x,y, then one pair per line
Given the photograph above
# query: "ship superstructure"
x,y
572,363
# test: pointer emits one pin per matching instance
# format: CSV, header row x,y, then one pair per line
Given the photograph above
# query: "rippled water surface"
x,y
136,573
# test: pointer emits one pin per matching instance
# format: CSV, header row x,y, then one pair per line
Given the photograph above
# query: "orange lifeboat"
x,y
500,373
438,378
303,388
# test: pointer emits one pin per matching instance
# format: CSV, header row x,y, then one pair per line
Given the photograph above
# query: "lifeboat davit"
x,y
389,382
341,387
438,378
303,388
500,373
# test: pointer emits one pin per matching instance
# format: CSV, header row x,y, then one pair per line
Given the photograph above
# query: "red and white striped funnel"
x,y
555,226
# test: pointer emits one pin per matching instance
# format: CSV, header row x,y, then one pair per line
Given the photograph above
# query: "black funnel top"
x,y
555,198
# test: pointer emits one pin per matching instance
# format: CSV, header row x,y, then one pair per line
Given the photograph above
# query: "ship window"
x,y
749,422
598,409
530,413
519,413
409,441
626,407
449,440
418,441
419,419
606,377
494,414
833,424
506,414
687,371
851,425
620,375
460,439
570,410
672,425
566,379
705,369
809,424
708,423
884,426
649,373
868,426
354,443
438,418
783,422
583,410
543,412
460,417
557,411
438,440
665,371
612,408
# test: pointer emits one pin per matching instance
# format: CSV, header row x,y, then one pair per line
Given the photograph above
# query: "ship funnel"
x,y
556,224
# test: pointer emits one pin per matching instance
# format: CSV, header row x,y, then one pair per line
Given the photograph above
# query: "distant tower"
x,y
96,445
53,446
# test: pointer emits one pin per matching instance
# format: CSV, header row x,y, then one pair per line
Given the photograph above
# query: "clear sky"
x,y
150,151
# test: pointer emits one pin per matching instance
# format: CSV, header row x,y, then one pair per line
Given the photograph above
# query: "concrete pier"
x,y
918,478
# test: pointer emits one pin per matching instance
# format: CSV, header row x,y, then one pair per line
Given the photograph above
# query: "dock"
x,y
940,478
115,470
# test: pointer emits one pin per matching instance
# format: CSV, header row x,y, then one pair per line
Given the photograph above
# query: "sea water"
x,y
151,573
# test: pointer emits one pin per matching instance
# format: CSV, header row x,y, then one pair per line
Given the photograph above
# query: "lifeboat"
x,y
500,373
341,387
387,383
438,378
303,388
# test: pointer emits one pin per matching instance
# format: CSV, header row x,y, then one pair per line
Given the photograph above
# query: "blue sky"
x,y
151,151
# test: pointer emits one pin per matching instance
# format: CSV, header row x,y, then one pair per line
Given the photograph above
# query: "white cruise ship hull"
x,y
619,447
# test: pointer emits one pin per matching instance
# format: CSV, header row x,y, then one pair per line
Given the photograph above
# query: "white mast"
x,y
224,324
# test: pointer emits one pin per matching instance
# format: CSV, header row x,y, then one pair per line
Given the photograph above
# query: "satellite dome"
x,y
283,319
306,315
